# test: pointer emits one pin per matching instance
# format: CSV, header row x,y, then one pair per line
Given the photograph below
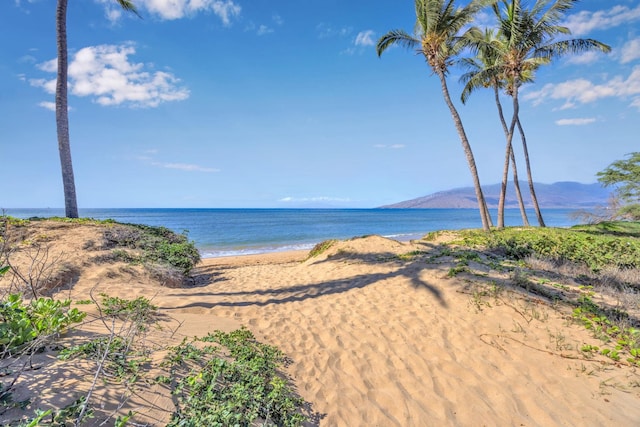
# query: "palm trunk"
x,y
534,199
482,205
516,184
510,153
62,113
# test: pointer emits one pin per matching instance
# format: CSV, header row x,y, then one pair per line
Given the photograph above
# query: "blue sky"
x,y
236,103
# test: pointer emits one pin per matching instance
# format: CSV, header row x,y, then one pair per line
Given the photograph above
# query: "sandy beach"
x,y
376,338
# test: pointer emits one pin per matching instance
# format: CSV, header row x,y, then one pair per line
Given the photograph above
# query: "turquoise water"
x,y
225,232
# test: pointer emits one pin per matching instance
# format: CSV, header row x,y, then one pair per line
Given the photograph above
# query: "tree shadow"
x,y
297,293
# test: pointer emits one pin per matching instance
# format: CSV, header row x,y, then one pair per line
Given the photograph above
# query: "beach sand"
x,y
378,339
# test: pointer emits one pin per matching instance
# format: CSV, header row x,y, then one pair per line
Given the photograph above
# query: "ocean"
x,y
227,232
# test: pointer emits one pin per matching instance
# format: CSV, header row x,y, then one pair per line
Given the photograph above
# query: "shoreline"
x,y
266,258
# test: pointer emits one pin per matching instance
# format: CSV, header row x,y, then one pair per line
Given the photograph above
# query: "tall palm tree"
x,y
62,110
480,75
438,24
531,40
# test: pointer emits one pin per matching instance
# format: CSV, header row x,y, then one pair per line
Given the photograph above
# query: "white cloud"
x,y
630,51
575,122
226,10
263,29
185,167
313,199
584,22
394,146
27,59
585,58
365,38
277,19
584,91
105,74
327,31
48,105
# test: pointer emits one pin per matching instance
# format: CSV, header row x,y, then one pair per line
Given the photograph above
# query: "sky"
x,y
285,104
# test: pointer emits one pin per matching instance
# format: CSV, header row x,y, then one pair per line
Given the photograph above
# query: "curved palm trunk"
x,y
62,113
534,199
516,184
482,205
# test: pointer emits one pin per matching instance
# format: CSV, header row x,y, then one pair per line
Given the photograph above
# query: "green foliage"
x,y
321,248
6,220
76,220
43,317
610,326
122,357
625,176
157,245
594,250
233,391
139,311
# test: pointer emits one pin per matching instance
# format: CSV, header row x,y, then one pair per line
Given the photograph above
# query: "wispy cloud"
x,y
313,199
184,167
585,58
326,31
105,74
225,10
584,22
365,38
277,19
630,51
584,91
48,105
575,122
393,146
263,29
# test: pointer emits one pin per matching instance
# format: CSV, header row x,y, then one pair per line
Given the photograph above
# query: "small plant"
x,y
321,248
239,389
42,318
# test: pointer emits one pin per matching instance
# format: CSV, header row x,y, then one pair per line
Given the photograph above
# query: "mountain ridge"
x,y
558,195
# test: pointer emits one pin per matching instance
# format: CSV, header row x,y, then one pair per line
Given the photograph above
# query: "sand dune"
x,y
379,339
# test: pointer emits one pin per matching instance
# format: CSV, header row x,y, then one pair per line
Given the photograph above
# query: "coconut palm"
x,y
531,40
62,111
438,24
481,76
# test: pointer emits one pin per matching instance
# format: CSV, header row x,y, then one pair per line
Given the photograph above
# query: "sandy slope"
x,y
376,340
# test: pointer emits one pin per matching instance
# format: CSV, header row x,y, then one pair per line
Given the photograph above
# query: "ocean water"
x,y
227,232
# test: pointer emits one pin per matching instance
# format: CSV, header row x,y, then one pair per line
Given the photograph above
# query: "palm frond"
x,y
129,6
398,37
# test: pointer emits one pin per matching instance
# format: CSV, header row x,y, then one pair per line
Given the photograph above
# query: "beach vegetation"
x,y
624,175
437,39
154,245
596,250
321,248
224,378
231,379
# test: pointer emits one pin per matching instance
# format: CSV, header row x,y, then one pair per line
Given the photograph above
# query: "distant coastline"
x,y
559,195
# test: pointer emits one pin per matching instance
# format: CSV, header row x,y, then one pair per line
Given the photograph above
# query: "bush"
x,y
22,323
242,390
157,245
583,246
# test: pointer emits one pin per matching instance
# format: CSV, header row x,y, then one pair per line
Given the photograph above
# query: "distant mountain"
x,y
569,195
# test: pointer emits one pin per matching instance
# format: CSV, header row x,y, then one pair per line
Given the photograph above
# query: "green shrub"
x,y
22,323
157,244
597,251
236,391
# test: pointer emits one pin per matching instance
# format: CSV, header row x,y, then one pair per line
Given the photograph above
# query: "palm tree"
x,y
530,41
62,110
436,37
480,76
